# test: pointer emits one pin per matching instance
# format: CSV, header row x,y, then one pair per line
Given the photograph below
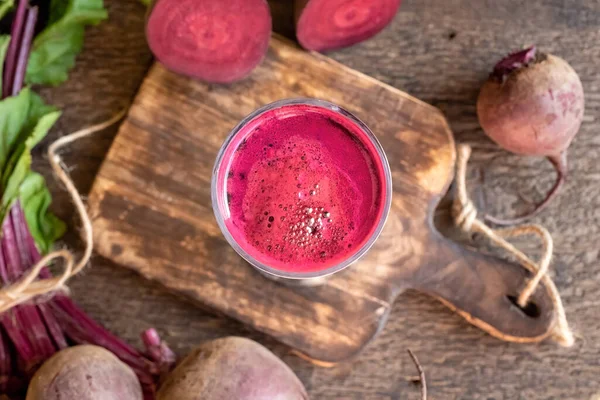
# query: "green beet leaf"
x,y
24,121
19,119
35,201
5,7
15,174
4,42
14,113
55,49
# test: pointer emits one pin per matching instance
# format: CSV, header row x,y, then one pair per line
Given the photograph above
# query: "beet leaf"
x,y
25,121
4,42
55,49
5,7
14,112
35,199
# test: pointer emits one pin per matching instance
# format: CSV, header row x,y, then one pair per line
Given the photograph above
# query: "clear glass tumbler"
x,y
234,142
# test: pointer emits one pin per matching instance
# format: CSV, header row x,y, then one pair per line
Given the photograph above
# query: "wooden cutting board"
x,y
152,212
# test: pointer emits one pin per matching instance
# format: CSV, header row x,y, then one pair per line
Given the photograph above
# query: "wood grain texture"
x,y
439,51
151,211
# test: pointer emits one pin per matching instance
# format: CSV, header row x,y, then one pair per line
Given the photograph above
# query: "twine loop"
x,y
465,217
29,286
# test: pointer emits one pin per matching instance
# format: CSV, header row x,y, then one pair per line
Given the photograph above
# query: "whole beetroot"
x,y
84,373
232,368
533,104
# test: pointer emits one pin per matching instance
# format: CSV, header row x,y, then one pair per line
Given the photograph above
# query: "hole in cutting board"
x,y
531,309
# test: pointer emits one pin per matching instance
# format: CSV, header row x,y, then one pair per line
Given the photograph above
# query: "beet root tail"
x,y
560,164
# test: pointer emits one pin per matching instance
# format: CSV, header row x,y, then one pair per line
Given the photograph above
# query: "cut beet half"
x,y
323,25
218,41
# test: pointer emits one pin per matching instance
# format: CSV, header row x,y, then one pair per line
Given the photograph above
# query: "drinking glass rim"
x,y
221,218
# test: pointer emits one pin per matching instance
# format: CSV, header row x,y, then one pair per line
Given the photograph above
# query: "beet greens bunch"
x,y
30,333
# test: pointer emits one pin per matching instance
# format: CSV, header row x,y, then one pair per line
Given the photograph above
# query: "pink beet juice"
x,y
301,188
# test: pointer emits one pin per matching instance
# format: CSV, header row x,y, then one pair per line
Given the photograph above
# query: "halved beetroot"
x,y
219,41
323,25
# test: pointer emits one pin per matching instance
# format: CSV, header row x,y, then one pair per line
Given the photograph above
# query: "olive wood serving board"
x,y
152,213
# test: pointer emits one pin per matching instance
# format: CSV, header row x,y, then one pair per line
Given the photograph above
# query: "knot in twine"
x,y
29,286
465,217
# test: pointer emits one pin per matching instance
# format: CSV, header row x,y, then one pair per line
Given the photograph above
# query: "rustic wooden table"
x,y
439,51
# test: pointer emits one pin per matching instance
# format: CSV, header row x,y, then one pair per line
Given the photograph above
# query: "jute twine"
x,y
465,217
29,286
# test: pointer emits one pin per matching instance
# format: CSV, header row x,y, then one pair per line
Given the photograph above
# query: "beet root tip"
x,y
560,164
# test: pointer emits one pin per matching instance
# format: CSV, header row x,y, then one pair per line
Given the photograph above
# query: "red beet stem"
x,y
324,25
218,41
19,224
27,316
158,351
11,320
25,47
560,164
53,328
21,232
13,48
5,362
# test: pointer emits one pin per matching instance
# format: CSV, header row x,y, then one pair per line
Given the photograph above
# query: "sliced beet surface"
x,y
323,25
218,41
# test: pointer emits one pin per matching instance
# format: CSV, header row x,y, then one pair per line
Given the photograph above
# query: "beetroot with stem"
x,y
218,41
533,104
332,24
72,323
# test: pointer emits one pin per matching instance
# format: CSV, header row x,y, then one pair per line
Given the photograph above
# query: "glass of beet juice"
x,y
301,189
